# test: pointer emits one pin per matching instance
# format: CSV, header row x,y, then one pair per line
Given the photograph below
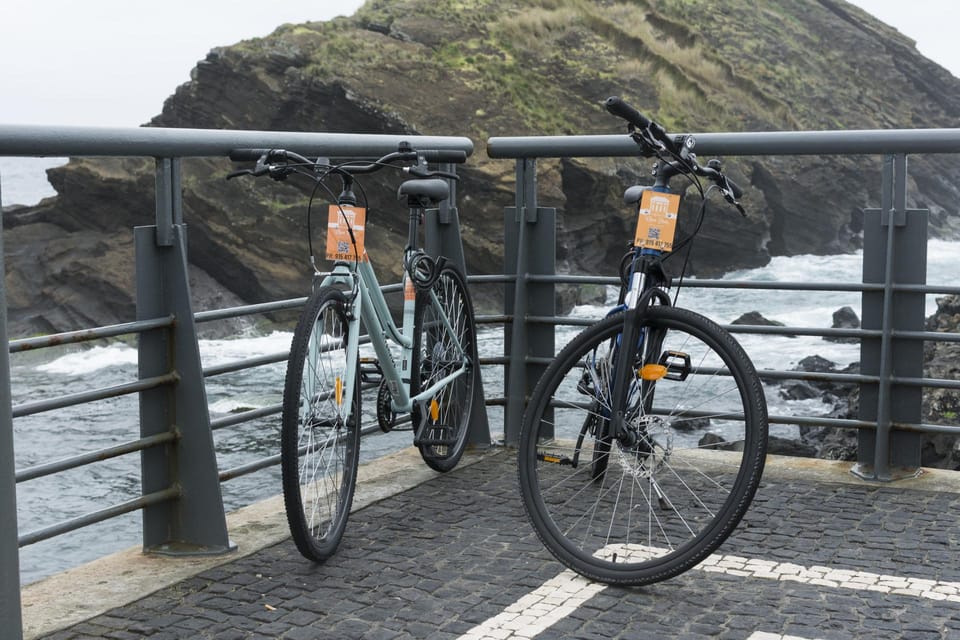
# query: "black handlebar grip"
x,y
241,155
455,156
621,109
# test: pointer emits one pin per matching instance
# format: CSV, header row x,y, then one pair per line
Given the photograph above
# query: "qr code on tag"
x,y
343,246
653,233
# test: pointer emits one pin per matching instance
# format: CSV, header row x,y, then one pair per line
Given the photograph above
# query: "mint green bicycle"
x,y
429,376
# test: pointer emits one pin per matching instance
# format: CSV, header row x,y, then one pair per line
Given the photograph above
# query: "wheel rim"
x,y
439,356
323,432
671,488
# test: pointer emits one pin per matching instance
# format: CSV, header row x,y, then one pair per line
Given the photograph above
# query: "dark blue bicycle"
x,y
644,441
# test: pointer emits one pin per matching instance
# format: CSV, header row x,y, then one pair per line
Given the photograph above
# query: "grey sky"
x,y
113,62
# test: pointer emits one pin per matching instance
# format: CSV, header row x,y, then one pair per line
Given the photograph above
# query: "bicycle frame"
x,y
640,285
360,279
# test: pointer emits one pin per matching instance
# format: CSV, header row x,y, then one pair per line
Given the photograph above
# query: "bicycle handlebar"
x,y
652,137
266,157
616,106
453,156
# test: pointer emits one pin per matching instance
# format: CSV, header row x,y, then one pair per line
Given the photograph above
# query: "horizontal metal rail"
x,y
245,416
819,143
30,140
247,363
269,461
73,462
98,516
74,337
69,400
248,310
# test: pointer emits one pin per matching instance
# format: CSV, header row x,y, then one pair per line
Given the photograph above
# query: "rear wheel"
x,y
444,344
659,498
320,443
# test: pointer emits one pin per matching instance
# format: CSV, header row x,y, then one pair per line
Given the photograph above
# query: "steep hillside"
x,y
492,67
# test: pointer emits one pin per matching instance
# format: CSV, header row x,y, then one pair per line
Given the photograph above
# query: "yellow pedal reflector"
x,y
338,390
548,458
434,410
652,371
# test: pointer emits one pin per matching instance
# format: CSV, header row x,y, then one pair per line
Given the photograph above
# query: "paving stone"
x,y
450,554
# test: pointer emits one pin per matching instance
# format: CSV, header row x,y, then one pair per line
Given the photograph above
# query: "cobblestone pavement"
x,y
811,560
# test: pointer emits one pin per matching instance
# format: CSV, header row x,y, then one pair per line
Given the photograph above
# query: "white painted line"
x,y
558,597
835,578
539,610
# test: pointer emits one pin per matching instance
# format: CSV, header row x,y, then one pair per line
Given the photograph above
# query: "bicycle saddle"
x,y
433,189
633,194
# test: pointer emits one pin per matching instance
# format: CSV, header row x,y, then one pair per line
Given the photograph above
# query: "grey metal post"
x,y
11,620
442,238
529,248
894,252
194,523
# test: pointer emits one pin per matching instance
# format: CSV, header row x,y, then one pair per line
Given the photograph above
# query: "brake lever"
x,y
237,174
728,196
419,171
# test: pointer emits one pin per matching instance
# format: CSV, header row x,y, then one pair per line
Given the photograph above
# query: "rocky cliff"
x,y
493,67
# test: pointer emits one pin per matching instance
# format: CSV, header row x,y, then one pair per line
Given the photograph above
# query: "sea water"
x,y
67,432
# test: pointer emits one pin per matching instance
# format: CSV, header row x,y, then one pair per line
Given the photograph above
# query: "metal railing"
x,y
180,500
892,290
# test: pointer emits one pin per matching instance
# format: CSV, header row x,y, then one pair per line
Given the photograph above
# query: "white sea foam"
x,y
88,361
221,351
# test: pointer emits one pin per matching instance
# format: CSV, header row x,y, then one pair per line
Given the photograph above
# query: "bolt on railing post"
x,y
442,238
11,620
529,248
193,523
892,232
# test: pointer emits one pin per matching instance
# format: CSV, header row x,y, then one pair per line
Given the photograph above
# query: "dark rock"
x,y
940,406
714,441
72,262
844,318
798,390
755,318
569,296
817,364
691,424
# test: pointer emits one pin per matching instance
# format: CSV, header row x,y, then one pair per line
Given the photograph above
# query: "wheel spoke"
x,y
672,483
320,442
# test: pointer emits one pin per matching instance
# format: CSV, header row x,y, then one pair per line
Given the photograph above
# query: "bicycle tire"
x,y
662,504
315,435
435,355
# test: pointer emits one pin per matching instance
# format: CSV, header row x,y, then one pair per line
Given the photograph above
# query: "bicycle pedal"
x,y
677,364
561,460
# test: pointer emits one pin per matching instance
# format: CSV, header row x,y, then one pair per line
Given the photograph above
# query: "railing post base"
x,y
866,471
889,233
529,249
442,238
194,523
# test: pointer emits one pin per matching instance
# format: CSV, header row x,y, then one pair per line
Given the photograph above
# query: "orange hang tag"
x,y
341,220
657,220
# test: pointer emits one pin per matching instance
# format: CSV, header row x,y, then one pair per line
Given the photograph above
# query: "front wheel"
x,y
444,345
320,439
654,500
